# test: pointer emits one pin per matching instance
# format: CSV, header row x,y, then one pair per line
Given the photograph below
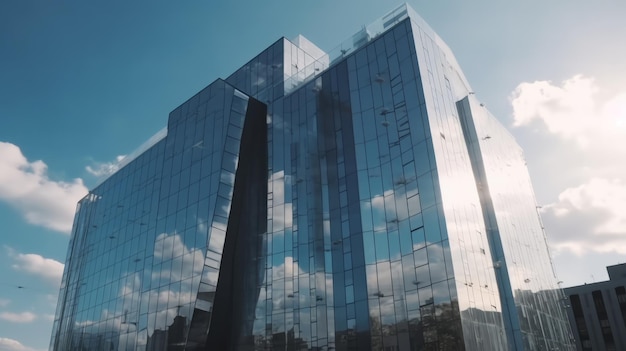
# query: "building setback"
x,y
598,312
352,200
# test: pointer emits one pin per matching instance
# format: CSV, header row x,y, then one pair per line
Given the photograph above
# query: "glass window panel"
x,y
419,240
408,271
370,247
350,294
406,243
414,205
382,246
421,257
216,242
394,246
431,225
422,274
436,262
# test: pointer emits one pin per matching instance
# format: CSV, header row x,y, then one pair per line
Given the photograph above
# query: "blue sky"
x,y
85,82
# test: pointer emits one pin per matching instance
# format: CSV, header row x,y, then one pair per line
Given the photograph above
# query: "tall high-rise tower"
x,y
352,200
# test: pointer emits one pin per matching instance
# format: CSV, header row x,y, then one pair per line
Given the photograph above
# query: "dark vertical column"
x,y
335,114
238,282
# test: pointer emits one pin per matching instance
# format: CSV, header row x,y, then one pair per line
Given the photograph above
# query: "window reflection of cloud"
x,y
392,279
201,225
163,317
258,71
277,185
161,304
279,122
109,322
386,210
374,212
185,262
287,297
227,177
123,325
387,279
282,211
467,233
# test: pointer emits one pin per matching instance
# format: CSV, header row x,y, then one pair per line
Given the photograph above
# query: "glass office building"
x,y
357,199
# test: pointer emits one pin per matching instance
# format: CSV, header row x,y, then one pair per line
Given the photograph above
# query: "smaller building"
x,y
598,312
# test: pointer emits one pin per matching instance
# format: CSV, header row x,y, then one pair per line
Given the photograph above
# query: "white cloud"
x,y
7,344
586,128
573,111
23,317
26,186
567,110
46,268
589,217
4,302
104,169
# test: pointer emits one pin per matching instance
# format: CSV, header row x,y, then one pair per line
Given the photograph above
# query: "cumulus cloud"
x,y
589,217
572,111
104,169
23,317
47,268
26,186
7,344
577,115
567,110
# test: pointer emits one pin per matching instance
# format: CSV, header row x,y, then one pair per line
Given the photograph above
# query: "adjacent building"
x,y
598,312
356,199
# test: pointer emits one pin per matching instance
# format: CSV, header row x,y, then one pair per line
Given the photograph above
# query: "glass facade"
x,y
352,200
